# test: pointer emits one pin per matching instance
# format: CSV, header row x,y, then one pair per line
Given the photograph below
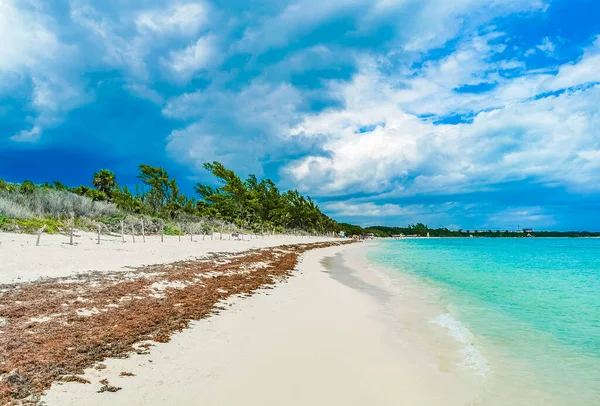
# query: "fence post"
x,y
41,230
72,230
143,234
122,231
162,233
221,232
192,233
132,233
98,227
179,233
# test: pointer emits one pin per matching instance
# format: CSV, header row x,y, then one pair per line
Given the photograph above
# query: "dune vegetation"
x,y
236,205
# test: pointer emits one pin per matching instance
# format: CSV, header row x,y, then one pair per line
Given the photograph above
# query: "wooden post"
x,y
203,232
230,231
41,230
98,227
162,233
72,230
132,233
122,231
192,233
143,234
179,233
221,232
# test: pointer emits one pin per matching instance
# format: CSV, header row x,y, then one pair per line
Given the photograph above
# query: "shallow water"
x,y
526,310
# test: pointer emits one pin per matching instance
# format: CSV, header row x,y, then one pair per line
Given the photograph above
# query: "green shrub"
x,y
33,225
27,187
172,230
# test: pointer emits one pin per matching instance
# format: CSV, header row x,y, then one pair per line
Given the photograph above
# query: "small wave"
x,y
472,358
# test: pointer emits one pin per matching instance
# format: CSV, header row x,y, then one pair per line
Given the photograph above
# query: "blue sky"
x,y
465,113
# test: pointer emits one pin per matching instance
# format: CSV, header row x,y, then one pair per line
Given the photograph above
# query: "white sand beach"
x,y
324,337
21,260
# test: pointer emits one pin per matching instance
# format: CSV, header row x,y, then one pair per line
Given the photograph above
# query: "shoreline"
x,y
311,340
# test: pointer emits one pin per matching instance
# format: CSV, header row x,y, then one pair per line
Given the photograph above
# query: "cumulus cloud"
x,y
532,138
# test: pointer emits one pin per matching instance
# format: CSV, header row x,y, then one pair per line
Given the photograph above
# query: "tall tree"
x,y
105,181
159,192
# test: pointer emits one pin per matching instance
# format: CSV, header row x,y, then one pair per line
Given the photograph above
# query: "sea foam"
x,y
472,358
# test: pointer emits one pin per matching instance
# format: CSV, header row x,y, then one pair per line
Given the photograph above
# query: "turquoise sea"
x,y
530,308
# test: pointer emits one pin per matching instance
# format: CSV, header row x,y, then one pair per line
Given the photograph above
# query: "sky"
x,y
459,114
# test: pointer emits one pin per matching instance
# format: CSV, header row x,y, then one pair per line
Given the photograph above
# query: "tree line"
x,y
252,203
422,230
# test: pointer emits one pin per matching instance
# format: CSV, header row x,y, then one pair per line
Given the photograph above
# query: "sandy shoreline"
x,y
319,338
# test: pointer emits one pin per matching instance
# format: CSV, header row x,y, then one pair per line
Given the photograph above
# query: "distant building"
x,y
528,230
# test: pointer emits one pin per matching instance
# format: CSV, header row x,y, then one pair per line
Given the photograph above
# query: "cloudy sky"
x,y
463,113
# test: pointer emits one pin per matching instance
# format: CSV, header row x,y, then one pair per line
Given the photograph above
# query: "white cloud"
x,y
26,38
28,135
420,24
195,58
522,138
239,128
293,20
583,71
547,47
368,209
184,19
523,217
31,49
125,39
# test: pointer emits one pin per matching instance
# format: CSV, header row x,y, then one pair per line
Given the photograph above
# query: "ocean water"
x,y
526,310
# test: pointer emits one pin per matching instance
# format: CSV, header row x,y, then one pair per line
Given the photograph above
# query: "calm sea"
x,y
527,310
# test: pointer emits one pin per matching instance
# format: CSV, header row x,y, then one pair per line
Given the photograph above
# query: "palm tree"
x,y
105,181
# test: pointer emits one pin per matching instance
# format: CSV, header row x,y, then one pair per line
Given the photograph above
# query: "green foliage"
x,y
111,221
172,230
105,181
27,187
4,185
33,225
258,204
3,221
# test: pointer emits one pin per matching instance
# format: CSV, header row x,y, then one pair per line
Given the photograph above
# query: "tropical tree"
x,y
105,181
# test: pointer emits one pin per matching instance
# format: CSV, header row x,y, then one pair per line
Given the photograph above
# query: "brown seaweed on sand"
x,y
56,328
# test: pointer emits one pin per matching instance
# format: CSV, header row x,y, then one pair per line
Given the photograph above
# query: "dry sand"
x,y
21,260
322,338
